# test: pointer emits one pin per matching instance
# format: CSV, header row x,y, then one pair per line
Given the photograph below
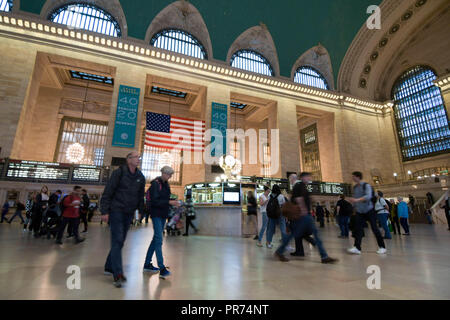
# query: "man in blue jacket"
x,y
123,195
158,204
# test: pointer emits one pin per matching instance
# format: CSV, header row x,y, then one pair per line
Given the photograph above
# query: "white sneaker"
x,y
381,251
354,250
269,245
290,249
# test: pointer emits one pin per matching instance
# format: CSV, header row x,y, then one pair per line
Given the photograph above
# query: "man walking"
x,y
123,195
344,210
84,209
70,215
363,198
305,223
320,213
159,211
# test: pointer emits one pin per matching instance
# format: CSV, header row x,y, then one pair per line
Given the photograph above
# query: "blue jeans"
x,y
265,221
301,227
156,244
119,224
271,228
343,224
17,214
382,219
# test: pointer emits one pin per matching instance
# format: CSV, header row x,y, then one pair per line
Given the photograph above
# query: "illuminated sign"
x,y
37,170
86,174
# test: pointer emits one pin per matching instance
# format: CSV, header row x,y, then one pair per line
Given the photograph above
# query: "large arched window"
x,y
251,61
420,114
179,41
310,77
6,5
87,17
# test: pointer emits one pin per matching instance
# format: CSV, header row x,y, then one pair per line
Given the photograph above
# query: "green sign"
x,y
219,121
126,117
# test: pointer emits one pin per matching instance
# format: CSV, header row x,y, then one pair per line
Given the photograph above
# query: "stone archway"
x,y
184,16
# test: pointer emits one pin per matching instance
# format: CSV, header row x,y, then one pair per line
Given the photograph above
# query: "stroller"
x,y
175,224
50,224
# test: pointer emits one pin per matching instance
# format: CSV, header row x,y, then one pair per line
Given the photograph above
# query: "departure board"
x,y
86,174
37,170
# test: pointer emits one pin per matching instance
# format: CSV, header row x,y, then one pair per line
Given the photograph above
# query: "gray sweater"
x,y
366,192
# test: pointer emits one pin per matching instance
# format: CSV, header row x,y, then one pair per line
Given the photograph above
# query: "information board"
x,y
86,174
126,117
37,170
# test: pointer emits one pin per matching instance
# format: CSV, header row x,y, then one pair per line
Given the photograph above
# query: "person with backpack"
x,y
70,215
276,201
344,210
403,214
123,195
382,210
302,222
263,200
159,202
364,200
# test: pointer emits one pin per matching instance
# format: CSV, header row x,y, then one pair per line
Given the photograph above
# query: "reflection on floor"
x,y
416,267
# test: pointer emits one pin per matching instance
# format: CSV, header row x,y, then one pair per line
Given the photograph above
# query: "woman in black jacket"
x,y
39,210
252,207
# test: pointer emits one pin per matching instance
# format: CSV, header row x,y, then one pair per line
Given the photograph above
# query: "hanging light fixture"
x,y
76,151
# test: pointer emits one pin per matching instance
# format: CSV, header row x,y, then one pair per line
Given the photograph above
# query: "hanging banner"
x,y
219,121
126,117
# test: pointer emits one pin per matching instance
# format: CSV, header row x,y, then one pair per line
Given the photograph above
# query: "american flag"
x,y
164,131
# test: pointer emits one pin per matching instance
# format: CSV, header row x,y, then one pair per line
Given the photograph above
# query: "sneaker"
x,y
269,245
164,273
290,249
185,235
117,282
259,244
108,272
84,231
281,257
354,250
381,251
69,236
58,242
256,238
124,279
79,240
329,260
150,268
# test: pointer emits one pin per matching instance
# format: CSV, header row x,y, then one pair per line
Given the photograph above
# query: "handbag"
x,y
291,211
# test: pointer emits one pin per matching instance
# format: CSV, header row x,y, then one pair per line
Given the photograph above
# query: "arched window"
x,y
310,77
421,118
6,5
179,41
251,61
87,17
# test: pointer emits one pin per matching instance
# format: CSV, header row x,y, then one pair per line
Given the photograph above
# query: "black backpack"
x,y
374,197
389,204
273,208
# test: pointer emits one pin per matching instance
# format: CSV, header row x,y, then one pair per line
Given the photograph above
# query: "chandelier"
x,y
230,165
75,153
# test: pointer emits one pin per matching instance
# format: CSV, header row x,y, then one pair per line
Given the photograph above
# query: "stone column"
x,y
218,94
132,76
289,139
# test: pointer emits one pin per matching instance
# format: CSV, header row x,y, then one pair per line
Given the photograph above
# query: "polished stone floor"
x,y
416,267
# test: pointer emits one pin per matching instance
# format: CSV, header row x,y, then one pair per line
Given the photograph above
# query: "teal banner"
x,y
219,121
126,117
